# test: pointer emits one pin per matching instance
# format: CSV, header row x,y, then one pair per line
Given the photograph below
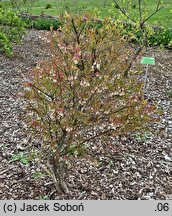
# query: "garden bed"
x,y
137,168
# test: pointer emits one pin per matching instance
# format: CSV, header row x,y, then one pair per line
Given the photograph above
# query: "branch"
x,y
140,10
158,8
86,140
123,11
97,135
131,62
62,139
50,96
78,41
116,111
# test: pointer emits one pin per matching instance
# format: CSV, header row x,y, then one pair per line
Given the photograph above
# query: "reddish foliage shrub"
x,y
81,93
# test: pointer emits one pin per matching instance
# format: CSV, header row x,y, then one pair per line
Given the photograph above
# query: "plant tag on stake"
x,y
147,61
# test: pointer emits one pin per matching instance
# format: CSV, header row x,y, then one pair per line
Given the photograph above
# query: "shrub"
x,y
11,30
81,93
48,6
156,37
161,37
42,23
5,45
136,24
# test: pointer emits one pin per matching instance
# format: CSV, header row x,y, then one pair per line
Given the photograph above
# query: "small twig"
x,y
158,8
50,96
123,11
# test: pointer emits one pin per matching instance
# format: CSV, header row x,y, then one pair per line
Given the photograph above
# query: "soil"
x,y
138,168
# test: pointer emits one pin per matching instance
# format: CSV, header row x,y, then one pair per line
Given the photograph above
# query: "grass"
x,y
163,18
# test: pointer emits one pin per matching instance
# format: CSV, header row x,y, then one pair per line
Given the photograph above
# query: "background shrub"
x,y
156,37
11,30
161,37
42,23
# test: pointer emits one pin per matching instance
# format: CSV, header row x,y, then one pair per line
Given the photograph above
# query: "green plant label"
x,y
148,60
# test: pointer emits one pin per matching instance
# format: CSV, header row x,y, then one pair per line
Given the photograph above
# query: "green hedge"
x,y
160,37
42,23
11,30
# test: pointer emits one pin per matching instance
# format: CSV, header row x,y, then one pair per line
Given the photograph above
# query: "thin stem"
x,y
158,8
123,11
50,96
140,10
131,62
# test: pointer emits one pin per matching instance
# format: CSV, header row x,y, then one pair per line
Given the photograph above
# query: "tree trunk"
x,y
57,170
